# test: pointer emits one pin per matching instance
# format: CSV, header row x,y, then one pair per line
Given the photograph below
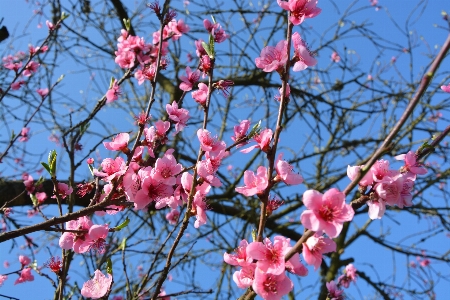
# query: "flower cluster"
x,y
387,186
263,267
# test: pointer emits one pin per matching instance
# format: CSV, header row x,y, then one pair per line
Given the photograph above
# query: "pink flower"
x,y
177,28
270,286
254,184
111,168
377,208
24,134
25,275
223,85
96,239
314,247
411,164
166,168
285,172
54,264
302,56
189,80
24,260
244,278
390,191
97,287
335,57
42,196
2,279
263,139
17,85
240,131
348,277
352,173
199,209
179,115
28,182
334,293
288,93
119,142
240,257
173,216
75,240
63,190
90,161
270,255
30,68
273,58
209,143
42,92
326,212
152,190
446,88
300,9
201,94
113,93
50,25
147,73
15,66
216,31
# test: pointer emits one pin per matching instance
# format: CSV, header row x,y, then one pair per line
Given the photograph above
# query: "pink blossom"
x,y
334,293
119,142
50,25
151,191
239,257
15,66
273,58
75,240
201,94
199,50
411,164
390,191
210,143
113,93
24,134
95,239
28,182
63,190
270,255
335,57
2,279
270,286
208,167
17,85
30,68
244,277
373,2
42,92
302,56
352,173
314,247
381,171
177,28
285,172
24,260
300,9
189,80
288,93
216,31
263,139
223,85
97,287
166,168
6,264
173,216
377,208
54,264
42,196
254,184
179,115
348,277
148,72
111,168
25,275
326,212
90,161
199,209
446,88
205,65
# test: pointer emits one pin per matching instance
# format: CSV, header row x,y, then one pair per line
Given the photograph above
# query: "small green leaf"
x,y
211,46
123,244
46,167
111,82
127,24
254,234
52,162
122,225
207,49
13,135
34,200
109,269
255,129
60,78
64,16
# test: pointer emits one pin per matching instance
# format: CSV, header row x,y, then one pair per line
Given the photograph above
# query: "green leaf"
x,y
127,24
123,244
255,129
34,200
111,82
46,167
122,225
254,234
207,49
64,16
52,162
109,266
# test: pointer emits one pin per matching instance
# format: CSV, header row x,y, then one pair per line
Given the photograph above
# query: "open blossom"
x,y
166,168
97,287
179,115
111,168
446,88
262,139
200,95
314,247
244,277
254,183
334,293
352,173
63,190
240,131
210,143
285,172
119,142
113,93
173,216
302,56
270,286
30,68
17,85
326,212
335,57
177,28
273,58
24,134
189,80
24,260
42,92
239,257
270,255
69,240
411,164
199,208
216,31
300,9
25,275
349,276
